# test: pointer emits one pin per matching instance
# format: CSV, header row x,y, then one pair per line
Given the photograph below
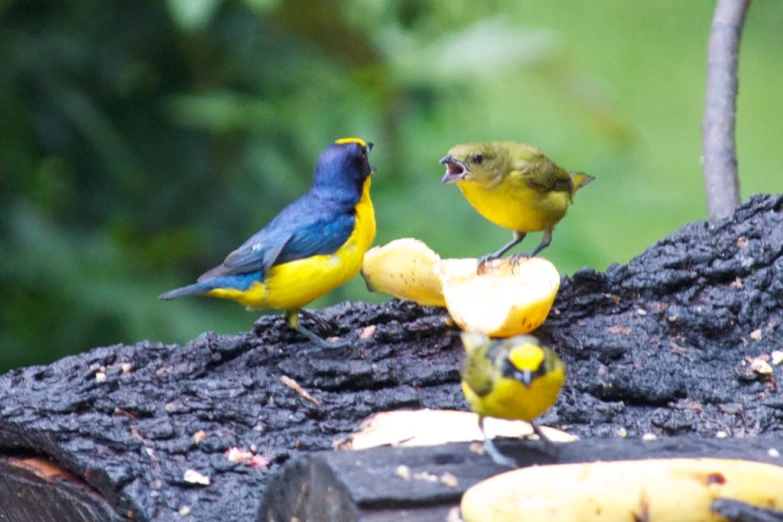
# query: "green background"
x,y
142,141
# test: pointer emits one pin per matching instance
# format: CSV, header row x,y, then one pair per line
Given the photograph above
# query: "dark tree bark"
x,y
367,486
737,511
720,153
33,489
670,344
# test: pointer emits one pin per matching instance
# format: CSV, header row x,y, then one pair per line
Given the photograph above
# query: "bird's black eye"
x,y
477,159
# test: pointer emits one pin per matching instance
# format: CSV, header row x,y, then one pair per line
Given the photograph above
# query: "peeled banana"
x,y
662,490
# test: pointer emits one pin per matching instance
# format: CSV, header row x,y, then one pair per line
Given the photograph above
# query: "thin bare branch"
x,y
720,155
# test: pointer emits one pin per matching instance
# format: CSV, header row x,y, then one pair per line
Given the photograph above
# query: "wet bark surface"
x,y
35,490
671,344
426,484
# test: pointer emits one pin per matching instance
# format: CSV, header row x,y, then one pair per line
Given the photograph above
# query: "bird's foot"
x,y
483,260
329,348
550,448
497,457
322,325
516,258
321,345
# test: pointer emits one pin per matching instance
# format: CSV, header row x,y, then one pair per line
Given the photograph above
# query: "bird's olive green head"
x,y
484,163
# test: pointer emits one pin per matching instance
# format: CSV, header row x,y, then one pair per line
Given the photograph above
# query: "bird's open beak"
x,y
524,376
455,170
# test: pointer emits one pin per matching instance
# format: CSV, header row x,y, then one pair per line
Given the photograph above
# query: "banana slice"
x,y
503,300
498,300
404,269
408,428
662,490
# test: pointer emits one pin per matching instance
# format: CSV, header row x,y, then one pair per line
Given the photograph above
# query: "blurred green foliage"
x,y
142,141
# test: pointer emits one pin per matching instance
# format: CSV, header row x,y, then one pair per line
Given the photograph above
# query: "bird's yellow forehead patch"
x,y
343,141
526,357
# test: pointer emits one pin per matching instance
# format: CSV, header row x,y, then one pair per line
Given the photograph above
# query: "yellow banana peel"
x,y
661,490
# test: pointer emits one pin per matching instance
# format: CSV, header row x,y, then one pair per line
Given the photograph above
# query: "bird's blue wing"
x,y
287,239
320,237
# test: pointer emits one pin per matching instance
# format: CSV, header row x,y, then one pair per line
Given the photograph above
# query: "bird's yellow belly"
x,y
522,209
294,284
510,399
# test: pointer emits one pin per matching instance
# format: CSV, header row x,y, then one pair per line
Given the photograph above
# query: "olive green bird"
x,y
515,186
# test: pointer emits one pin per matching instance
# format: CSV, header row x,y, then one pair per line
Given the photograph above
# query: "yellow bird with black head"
x,y
516,378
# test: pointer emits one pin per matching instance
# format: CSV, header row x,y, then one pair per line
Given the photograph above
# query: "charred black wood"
x,y
736,511
426,483
673,343
33,489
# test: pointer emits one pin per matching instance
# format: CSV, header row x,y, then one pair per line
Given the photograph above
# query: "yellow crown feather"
x,y
343,141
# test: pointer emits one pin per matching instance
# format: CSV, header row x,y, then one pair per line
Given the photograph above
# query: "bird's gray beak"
x,y
524,376
455,170
370,145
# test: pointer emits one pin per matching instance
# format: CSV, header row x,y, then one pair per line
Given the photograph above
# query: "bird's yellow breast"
x,y
292,285
516,206
510,399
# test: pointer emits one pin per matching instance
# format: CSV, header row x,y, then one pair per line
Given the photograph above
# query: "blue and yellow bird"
x,y
311,247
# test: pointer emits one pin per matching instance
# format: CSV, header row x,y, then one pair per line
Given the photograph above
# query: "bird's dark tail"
x,y
194,289
239,282
579,180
